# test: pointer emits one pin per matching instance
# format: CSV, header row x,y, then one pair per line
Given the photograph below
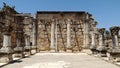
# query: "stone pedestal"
x,y
102,49
114,51
27,48
6,58
19,49
6,51
33,49
27,51
114,55
18,52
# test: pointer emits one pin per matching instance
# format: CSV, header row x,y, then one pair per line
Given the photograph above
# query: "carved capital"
x,y
114,30
101,30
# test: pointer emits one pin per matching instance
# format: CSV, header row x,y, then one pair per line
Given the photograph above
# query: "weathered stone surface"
x,y
115,48
6,58
71,34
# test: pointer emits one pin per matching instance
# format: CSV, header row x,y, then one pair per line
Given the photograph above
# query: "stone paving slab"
x,y
61,60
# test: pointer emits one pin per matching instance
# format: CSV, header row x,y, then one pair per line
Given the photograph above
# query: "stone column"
x,y
19,49
52,46
101,48
56,38
69,47
34,39
27,46
115,48
6,51
86,33
114,33
93,45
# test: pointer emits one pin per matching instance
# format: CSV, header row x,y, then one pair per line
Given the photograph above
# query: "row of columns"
x,y
7,53
54,35
23,45
112,51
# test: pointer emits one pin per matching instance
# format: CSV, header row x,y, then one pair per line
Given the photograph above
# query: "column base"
x,y
102,50
69,51
76,49
27,52
94,51
102,55
33,51
114,55
19,55
52,50
6,58
86,47
18,52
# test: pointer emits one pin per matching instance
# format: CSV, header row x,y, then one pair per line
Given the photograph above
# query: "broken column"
x,y
101,48
114,51
19,48
52,46
6,51
68,47
27,47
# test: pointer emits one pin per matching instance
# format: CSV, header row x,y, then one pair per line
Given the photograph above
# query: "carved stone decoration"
x,y
6,51
114,51
101,48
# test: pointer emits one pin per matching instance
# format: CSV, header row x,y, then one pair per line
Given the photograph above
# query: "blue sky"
x,y
105,12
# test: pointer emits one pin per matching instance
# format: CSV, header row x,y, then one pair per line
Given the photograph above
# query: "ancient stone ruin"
x,y
24,34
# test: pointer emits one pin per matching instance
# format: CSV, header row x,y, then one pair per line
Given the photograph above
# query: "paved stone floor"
x,y
60,60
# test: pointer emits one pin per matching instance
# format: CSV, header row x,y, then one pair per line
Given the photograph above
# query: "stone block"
x,y
6,58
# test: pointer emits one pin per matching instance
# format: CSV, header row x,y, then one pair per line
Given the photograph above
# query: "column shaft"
x,y
86,37
34,35
116,41
68,34
56,36
100,40
52,35
93,39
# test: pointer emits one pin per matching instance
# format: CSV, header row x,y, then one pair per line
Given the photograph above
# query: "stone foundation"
x,y
27,52
6,58
18,55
